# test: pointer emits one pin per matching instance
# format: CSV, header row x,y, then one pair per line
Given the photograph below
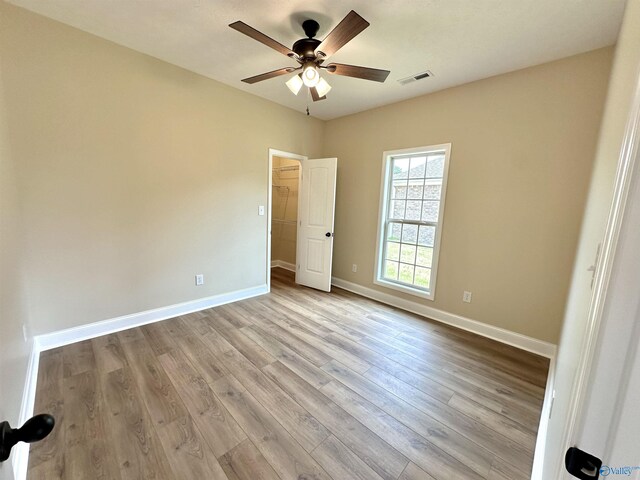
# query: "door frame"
x,y
283,154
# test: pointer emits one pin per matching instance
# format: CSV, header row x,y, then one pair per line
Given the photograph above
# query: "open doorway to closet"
x,y
285,186
302,197
284,192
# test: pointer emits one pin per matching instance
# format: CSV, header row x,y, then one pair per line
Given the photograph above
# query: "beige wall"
x,y
284,209
14,350
522,149
135,175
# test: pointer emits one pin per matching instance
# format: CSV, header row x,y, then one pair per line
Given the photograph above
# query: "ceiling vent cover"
x,y
416,77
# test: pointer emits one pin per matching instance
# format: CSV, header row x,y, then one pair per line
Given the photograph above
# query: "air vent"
x,y
416,77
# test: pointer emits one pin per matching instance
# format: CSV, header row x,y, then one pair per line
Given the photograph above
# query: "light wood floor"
x,y
296,384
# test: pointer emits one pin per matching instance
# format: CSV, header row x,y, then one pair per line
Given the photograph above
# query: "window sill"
x,y
404,289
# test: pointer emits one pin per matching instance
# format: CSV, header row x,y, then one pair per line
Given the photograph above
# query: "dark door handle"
x,y
582,465
328,234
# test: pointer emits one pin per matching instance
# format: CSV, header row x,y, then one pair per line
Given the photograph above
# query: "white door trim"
x,y
275,153
626,162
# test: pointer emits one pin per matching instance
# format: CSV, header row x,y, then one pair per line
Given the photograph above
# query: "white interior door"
x,y
315,223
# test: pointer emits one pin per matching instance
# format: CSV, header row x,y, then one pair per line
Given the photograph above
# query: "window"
x,y
414,183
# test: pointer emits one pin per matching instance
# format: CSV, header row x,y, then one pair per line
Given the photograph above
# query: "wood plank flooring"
x,y
296,384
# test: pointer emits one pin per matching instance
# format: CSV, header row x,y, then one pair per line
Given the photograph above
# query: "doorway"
x,y
282,210
285,185
301,211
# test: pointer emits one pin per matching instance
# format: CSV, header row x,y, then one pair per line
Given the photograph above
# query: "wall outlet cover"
x,y
199,280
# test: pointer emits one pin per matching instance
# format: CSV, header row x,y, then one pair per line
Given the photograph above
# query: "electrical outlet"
x,y
466,297
354,268
199,280
261,210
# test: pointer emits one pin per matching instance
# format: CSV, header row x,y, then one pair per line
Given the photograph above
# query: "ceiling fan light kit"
x,y
311,53
295,84
310,75
323,87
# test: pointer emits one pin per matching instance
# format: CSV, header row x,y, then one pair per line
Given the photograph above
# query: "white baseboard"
x,y
97,329
541,440
518,340
282,264
20,453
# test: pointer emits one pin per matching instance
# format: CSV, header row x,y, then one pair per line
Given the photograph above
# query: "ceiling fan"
x,y
310,53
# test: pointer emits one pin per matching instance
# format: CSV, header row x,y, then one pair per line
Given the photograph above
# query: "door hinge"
x,y
582,465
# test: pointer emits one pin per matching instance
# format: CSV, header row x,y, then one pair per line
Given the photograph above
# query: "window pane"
x,y
394,231
413,210
400,168
406,273
393,251
415,190
397,208
400,191
424,256
417,167
423,277
409,233
435,166
432,192
429,211
391,270
408,253
426,236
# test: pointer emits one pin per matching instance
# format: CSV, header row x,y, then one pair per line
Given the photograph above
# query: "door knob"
x,y
33,430
328,234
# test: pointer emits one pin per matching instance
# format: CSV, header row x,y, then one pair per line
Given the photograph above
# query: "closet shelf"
x,y
288,168
284,222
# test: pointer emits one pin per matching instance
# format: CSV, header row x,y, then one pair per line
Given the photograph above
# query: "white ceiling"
x,y
458,40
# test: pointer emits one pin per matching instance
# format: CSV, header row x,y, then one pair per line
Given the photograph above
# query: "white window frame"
x,y
385,185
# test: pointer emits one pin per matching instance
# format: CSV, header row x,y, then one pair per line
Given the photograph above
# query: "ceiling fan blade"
x,y
349,27
315,96
365,73
268,75
261,37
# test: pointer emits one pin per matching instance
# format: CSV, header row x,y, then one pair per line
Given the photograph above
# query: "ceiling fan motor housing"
x,y
305,48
